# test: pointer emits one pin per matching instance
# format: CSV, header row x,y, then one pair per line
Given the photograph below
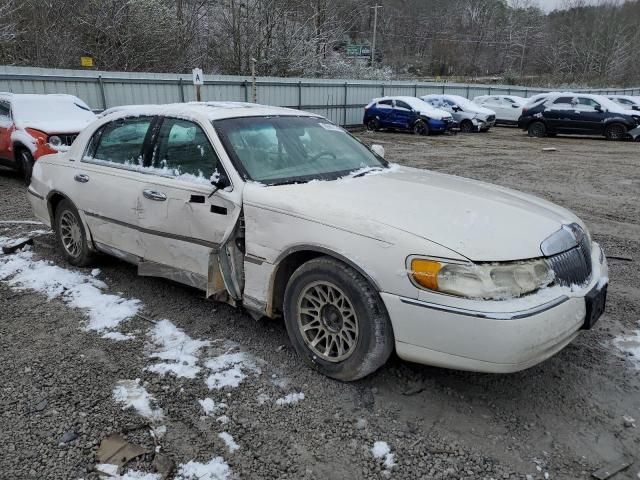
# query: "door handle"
x,y
153,195
81,177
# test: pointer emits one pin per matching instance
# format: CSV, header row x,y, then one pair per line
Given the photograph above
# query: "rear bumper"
x,y
485,341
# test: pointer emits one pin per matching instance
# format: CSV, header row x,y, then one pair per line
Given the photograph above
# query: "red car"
x,y
35,125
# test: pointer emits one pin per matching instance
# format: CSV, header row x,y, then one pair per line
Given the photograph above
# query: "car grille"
x,y
68,139
572,267
491,118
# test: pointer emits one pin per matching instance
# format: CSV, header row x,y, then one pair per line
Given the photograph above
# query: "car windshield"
x,y
279,150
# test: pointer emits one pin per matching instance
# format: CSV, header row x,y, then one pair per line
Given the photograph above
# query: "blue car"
x,y
406,113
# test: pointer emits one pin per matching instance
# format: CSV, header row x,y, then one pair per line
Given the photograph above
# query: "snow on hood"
x,y
51,113
480,221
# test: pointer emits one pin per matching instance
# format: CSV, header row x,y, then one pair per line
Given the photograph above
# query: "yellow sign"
x,y
86,61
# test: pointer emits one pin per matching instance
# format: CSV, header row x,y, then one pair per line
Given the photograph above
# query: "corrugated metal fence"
x,y
341,101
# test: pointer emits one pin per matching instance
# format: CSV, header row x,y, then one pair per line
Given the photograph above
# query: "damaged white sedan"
x,y
284,213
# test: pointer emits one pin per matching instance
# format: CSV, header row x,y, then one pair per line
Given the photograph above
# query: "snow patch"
x,y
118,337
105,311
382,451
133,395
210,407
290,399
228,370
111,472
630,344
229,441
177,350
216,469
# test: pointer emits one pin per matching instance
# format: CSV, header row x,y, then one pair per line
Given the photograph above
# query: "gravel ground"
x,y
563,418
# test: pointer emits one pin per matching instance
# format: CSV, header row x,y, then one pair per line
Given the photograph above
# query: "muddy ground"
x,y
563,418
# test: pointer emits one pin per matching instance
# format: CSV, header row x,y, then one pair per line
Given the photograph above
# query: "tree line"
x,y
513,41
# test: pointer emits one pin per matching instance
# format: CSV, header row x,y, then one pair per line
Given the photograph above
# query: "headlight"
x,y
495,281
55,141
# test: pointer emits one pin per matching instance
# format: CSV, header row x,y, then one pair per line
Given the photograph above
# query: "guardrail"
x,y
341,101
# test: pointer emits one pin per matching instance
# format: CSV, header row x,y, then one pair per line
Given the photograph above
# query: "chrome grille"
x,y
572,267
67,139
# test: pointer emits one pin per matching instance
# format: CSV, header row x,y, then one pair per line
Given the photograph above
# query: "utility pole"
x,y
375,27
254,91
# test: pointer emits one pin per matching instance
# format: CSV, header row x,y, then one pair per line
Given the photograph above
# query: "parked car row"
x,y
547,114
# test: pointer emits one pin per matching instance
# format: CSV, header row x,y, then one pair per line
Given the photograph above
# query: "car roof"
x,y
209,110
34,96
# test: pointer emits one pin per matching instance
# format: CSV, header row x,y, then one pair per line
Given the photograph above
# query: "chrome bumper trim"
x,y
488,315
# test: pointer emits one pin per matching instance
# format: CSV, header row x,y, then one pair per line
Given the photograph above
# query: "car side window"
x,y
589,103
5,114
403,105
182,147
120,141
385,104
563,100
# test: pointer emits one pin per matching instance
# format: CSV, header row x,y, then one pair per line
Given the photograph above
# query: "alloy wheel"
x,y
327,321
70,234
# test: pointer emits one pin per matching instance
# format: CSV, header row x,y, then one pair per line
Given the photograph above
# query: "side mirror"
x,y
598,108
221,180
635,107
513,105
456,108
378,150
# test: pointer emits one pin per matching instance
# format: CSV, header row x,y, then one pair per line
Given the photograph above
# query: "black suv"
x,y
580,114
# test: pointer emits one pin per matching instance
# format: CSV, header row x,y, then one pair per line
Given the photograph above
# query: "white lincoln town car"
x,y
286,214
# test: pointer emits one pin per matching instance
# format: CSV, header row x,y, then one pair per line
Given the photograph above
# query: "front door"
x,y
402,114
184,221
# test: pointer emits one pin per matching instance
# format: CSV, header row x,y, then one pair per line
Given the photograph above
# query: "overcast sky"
x,y
548,5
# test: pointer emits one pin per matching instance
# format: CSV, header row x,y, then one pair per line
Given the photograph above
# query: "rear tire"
x,y
26,165
336,320
72,239
421,128
373,125
537,130
466,126
615,131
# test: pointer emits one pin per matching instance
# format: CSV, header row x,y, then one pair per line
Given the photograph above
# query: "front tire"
x,y
537,130
421,128
336,320
615,131
72,239
466,126
26,165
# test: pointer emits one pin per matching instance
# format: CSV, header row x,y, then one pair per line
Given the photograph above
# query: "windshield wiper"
x,y
365,172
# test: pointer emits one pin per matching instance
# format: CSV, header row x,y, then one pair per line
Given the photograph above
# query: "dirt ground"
x,y
562,419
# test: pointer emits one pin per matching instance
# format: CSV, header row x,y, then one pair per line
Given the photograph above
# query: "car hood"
x,y
435,113
479,221
68,126
485,112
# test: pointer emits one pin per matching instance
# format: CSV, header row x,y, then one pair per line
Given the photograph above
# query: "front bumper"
x,y
439,126
510,339
483,124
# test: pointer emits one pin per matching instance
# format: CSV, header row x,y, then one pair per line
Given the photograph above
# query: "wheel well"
x,y
285,269
52,203
290,264
17,148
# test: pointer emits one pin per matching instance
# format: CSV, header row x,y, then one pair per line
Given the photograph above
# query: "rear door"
x,y
560,115
6,125
184,220
384,111
496,104
106,182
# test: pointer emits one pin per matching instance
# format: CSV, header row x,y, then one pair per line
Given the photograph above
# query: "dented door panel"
x,y
187,227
